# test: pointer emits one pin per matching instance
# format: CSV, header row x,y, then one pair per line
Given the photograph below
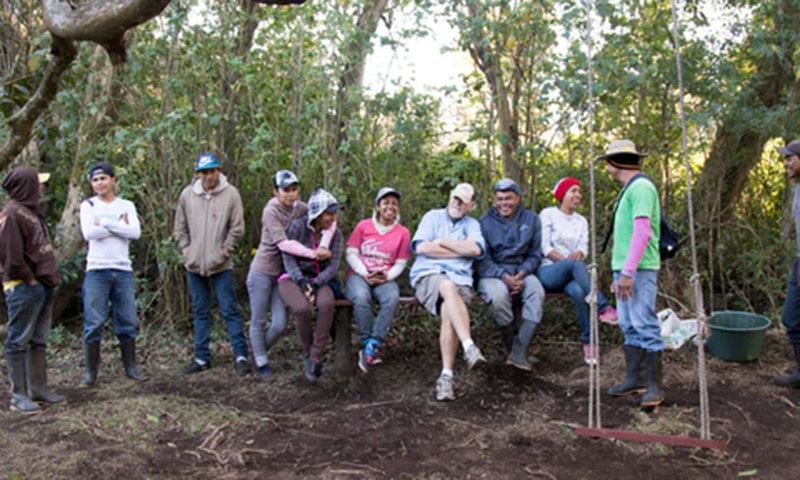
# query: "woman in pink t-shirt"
x,y
377,252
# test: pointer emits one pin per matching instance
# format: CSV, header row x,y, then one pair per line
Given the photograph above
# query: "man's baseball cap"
x,y
507,185
793,148
100,168
44,177
206,161
464,192
284,178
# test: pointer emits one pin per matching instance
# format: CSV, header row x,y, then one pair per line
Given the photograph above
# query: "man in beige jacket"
x,y
209,223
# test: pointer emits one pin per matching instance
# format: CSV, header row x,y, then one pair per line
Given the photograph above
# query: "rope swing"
x,y
594,428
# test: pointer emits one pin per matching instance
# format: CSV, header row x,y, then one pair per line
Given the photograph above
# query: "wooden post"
x,y
343,342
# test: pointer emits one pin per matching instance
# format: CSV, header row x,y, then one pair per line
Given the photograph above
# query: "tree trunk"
x,y
355,50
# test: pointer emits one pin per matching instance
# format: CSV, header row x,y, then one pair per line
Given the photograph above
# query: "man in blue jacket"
x,y
506,274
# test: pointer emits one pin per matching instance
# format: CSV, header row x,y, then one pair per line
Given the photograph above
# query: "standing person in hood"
x,y
508,272
209,223
109,223
30,275
308,281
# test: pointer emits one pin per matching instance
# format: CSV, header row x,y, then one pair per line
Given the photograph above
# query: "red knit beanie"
x,y
563,185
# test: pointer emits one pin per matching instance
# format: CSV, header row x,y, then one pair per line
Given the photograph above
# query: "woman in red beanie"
x,y
565,241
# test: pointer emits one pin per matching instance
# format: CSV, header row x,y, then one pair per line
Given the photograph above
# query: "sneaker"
x,y
444,388
588,357
195,367
365,360
310,368
376,356
242,367
609,316
265,374
474,357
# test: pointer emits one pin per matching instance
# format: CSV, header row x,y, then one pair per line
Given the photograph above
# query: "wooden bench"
x,y
343,324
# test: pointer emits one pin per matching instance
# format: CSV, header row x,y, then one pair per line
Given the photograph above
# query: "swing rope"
x,y
594,371
705,416
594,327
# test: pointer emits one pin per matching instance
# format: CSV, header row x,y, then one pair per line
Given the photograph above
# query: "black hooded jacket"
x,y
26,253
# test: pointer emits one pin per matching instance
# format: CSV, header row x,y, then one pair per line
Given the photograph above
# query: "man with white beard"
x,y
446,243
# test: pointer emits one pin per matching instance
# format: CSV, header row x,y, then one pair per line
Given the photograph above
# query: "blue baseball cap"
x,y
206,161
507,185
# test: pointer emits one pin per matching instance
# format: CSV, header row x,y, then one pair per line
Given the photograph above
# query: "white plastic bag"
x,y
674,331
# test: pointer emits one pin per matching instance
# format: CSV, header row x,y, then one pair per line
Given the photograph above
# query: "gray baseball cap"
x,y
386,191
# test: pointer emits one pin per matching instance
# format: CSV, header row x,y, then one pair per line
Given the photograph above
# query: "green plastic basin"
x,y
737,336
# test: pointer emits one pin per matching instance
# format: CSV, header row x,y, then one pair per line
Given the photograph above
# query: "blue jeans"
x,y
637,315
109,285
200,288
30,313
791,308
264,296
361,294
572,277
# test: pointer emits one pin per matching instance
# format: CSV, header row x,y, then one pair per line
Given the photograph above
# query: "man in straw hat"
x,y
446,242
635,260
791,307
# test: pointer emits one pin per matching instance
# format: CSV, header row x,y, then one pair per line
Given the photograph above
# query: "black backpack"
x,y
668,243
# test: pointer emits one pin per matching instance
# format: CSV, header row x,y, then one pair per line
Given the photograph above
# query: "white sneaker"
x,y
444,389
474,357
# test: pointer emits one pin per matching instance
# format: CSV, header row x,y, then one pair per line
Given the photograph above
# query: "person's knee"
x,y
448,289
575,291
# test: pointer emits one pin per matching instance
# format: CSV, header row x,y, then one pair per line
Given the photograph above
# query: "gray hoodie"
x,y
208,227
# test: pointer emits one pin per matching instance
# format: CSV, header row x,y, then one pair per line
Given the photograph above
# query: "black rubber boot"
x,y
20,401
128,348
517,358
36,365
655,376
92,353
793,380
635,379
508,336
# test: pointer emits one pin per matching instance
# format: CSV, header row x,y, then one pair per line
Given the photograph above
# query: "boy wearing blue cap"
x,y
209,223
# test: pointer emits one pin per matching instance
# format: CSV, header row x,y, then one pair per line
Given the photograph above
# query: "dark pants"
x,y
312,342
200,288
791,308
30,313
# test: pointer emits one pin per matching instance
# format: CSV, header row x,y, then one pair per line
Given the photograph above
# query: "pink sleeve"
x,y
641,235
293,247
327,235
404,251
355,238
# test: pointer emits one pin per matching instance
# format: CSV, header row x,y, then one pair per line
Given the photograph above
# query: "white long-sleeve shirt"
x,y
563,233
108,241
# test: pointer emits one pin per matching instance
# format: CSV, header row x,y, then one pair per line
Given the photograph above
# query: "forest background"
x,y
268,87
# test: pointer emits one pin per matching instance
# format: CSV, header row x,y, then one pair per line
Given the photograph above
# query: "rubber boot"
x,y
20,401
655,375
36,365
517,358
128,348
92,353
793,380
635,379
508,336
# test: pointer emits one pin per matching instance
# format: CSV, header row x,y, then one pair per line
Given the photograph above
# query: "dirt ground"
x,y
505,423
